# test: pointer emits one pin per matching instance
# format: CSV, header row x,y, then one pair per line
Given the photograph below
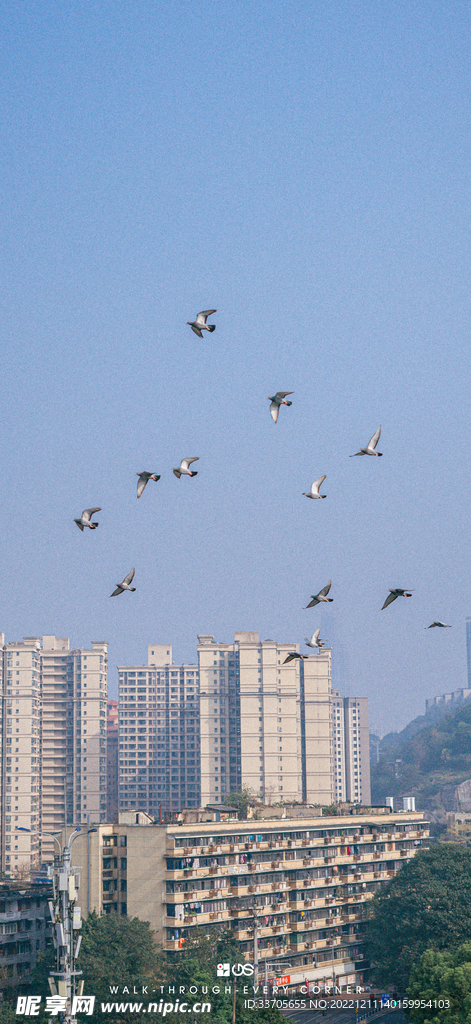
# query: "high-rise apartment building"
x,y
265,725
158,734
468,649
112,760
351,748
53,742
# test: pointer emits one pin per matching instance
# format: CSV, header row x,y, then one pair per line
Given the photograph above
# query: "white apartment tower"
x,y
158,734
53,743
265,725
351,748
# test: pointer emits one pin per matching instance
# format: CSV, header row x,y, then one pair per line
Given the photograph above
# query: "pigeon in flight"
x,y
144,480
442,624
276,401
183,469
393,594
315,640
370,448
314,492
293,656
321,596
199,325
85,519
120,587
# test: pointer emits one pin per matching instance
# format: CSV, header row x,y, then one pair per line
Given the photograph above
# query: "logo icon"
x,y
237,970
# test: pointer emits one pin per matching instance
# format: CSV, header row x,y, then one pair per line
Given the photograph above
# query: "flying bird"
x,y
315,640
183,469
442,624
293,656
144,480
314,492
120,587
199,325
276,401
321,596
393,594
370,448
85,519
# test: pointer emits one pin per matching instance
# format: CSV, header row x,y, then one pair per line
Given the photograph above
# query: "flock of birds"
x,y
276,401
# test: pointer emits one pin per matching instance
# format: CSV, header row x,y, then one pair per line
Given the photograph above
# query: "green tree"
x,y
197,966
446,977
425,906
119,950
243,800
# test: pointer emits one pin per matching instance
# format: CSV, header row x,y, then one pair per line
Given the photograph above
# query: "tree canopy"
x,y
425,906
242,801
442,977
120,951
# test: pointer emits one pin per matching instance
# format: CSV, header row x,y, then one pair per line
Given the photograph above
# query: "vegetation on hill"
x,y
425,906
437,756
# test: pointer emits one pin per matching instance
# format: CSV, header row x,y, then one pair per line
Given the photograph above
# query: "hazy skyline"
x,y
304,170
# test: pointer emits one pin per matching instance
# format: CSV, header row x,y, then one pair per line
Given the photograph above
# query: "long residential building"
x,y
53,743
294,892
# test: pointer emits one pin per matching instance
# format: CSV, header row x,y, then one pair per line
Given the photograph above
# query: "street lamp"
x,y
66,919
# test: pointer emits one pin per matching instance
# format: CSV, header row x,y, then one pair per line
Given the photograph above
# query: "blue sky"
x,y
303,168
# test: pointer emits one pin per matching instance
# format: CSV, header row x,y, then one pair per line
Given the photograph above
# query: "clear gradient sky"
x,y
303,167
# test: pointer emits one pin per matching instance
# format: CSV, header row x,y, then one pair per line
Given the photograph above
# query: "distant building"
x,y
351,748
468,649
53,743
265,725
158,734
112,760
453,699
243,718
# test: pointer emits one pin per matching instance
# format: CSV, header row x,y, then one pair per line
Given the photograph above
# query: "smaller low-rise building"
x,y
24,929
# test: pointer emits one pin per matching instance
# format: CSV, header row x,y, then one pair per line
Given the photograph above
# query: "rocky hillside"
x,y
429,765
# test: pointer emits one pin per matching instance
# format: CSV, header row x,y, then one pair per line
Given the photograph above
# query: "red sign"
x,y
283,980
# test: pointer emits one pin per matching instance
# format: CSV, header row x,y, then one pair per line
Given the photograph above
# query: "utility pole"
x,y
66,918
254,910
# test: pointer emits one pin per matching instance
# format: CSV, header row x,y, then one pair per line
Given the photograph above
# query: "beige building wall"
x,y
21,776
351,748
265,725
122,870
297,889
319,750
53,747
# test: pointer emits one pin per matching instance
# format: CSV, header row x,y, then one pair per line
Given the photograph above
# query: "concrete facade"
x,y
25,925
158,734
265,725
351,748
291,891
53,743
